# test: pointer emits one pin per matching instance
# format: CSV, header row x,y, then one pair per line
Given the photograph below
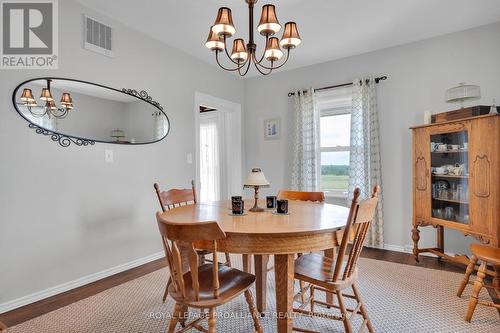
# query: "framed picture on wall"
x,y
272,129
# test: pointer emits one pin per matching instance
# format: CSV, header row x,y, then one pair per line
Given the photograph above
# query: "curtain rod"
x,y
377,79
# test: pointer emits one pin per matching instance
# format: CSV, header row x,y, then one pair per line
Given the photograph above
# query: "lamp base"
x,y
256,208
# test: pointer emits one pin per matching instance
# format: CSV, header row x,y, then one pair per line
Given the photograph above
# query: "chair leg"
x,y
228,260
496,278
302,294
175,318
165,294
312,298
364,313
343,311
253,311
468,272
212,322
478,284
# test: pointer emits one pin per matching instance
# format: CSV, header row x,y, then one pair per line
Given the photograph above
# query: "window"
x,y
335,137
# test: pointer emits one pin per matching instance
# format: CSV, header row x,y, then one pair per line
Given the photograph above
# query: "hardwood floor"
x,y
39,308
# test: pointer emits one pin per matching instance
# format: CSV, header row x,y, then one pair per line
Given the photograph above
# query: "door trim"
x,y
225,108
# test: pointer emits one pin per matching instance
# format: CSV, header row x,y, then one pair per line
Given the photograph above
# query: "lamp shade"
x,y
27,95
273,51
268,24
46,95
224,23
291,38
51,105
463,92
66,99
239,52
256,178
214,42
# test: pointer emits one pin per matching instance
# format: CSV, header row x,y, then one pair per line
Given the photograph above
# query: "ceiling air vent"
x,y
98,37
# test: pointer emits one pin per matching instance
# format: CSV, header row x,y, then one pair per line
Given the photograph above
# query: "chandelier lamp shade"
x,y
48,107
243,55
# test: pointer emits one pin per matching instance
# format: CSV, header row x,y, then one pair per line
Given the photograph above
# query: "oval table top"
x,y
303,218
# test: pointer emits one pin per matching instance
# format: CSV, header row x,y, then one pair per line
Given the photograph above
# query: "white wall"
x,y
419,73
64,213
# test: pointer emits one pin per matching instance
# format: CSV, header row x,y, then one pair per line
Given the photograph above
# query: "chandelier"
x,y
243,56
49,107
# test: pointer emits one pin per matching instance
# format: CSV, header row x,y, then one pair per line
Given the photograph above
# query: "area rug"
x,y
399,298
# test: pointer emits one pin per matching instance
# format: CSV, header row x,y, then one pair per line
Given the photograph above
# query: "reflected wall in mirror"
x,y
79,112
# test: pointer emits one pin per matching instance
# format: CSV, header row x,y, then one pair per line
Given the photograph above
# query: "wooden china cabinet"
x,y
456,181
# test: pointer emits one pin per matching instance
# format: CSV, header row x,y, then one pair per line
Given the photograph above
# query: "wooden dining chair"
x,y
488,255
180,197
335,276
301,196
201,287
304,196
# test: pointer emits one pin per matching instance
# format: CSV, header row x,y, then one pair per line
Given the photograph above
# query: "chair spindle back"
x,y
301,196
360,217
183,235
175,197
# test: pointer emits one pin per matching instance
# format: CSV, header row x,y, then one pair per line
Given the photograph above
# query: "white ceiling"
x,y
330,29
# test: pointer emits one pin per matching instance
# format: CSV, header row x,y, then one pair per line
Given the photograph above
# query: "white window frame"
x,y
326,113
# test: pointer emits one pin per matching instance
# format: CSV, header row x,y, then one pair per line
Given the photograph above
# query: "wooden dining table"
x,y
308,227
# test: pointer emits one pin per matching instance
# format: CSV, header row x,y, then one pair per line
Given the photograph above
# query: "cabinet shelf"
x,y
450,176
451,200
449,151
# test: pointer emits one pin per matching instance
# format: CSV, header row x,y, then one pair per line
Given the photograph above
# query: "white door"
x,y
218,149
209,157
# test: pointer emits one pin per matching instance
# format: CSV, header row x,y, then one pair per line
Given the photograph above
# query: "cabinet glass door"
x,y
450,176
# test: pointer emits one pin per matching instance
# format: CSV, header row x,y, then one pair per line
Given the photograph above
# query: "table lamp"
x,y
256,179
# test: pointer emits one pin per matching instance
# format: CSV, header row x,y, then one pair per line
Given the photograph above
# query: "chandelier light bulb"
x,y
268,24
214,42
291,38
273,51
223,25
239,53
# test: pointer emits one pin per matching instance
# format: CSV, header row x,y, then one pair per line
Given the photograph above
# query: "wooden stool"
x,y
487,255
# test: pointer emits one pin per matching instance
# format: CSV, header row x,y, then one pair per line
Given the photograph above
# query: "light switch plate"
x,y
189,158
108,156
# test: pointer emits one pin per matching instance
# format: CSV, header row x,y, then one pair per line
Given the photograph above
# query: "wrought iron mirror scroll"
x,y
83,113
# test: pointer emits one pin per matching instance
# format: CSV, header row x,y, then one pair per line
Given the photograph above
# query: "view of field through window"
x,y
335,141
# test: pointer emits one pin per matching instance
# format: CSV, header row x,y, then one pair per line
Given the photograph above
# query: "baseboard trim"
x,y
40,295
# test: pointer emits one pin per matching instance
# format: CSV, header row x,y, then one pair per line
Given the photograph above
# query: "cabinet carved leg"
x,y
415,236
440,239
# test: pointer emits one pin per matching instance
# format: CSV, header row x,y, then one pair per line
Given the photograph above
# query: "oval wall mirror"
x,y
79,112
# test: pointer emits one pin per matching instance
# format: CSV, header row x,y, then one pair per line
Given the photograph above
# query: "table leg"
x,y
260,261
284,273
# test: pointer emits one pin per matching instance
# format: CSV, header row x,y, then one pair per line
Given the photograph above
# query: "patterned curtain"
x,y
364,169
305,142
159,125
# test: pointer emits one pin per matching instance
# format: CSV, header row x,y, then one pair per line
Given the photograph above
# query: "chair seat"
x,y
232,282
318,269
486,253
203,252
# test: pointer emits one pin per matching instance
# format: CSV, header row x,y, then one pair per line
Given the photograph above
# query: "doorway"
x,y
218,148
